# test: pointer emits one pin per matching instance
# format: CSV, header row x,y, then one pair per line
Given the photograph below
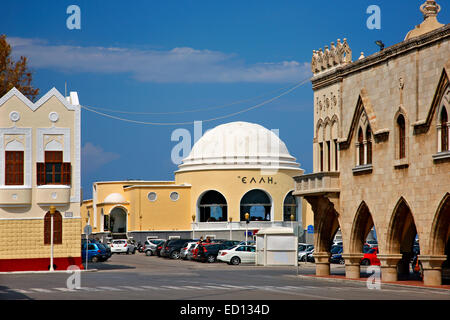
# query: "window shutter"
x,y
67,173
40,173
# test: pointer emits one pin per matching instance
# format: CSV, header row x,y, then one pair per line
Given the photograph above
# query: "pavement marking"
x,y
217,287
132,288
149,287
109,288
191,287
90,289
16,290
64,289
175,288
41,290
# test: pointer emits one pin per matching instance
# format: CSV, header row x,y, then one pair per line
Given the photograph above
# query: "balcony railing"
x,y
317,184
241,225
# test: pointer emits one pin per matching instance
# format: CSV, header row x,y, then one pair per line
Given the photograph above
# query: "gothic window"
x,y
369,145
401,137
14,168
444,130
360,147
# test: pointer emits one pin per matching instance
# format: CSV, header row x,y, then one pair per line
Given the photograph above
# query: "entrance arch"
x,y
258,204
439,245
212,207
362,225
402,234
118,220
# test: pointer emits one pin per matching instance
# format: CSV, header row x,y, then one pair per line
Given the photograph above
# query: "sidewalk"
x,y
403,283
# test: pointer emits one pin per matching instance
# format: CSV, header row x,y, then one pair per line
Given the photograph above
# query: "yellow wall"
x,y
230,184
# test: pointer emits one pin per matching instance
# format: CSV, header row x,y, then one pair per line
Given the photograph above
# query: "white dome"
x,y
114,198
239,145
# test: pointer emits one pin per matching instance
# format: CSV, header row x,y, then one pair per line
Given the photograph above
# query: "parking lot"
x,y
139,276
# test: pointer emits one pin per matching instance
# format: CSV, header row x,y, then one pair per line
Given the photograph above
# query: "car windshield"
x,y
301,247
101,246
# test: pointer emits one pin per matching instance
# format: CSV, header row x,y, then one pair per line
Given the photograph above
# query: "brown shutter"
x,y
57,228
47,227
40,173
66,173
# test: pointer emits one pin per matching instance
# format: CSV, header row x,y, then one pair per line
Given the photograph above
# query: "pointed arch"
x,y
440,228
402,229
362,224
363,107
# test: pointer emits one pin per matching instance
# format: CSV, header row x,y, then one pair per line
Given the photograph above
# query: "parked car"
x,y
248,243
229,243
186,250
95,252
310,257
336,255
209,252
173,248
151,246
122,246
306,249
370,258
372,243
160,247
238,254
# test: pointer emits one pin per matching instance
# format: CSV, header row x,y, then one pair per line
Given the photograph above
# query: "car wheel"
x,y
341,261
365,262
175,255
211,259
148,253
95,259
303,259
235,261
128,252
134,251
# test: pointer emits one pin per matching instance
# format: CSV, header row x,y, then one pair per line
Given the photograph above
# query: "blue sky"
x,y
170,56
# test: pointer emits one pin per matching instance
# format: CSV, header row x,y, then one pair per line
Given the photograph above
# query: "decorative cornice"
x,y
34,106
327,78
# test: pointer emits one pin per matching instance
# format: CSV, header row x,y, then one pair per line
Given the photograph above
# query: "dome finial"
x,y
430,9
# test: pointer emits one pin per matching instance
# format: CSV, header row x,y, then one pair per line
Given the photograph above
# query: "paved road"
x,y
141,277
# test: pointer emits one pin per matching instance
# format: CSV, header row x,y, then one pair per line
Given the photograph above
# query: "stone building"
x,y
381,151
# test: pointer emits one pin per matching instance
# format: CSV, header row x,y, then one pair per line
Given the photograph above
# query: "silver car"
x,y
151,245
186,253
304,250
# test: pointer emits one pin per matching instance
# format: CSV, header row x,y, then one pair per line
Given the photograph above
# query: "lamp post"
x,y
193,225
52,213
231,220
247,216
292,222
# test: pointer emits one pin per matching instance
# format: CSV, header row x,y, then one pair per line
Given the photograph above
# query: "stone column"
x,y
432,269
322,263
389,264
353,265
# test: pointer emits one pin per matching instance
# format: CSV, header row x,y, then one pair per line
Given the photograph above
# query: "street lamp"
x,y
380,44
52,213
292,221
193,224
247,216
231,220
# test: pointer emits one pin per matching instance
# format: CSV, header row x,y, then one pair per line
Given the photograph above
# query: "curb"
x,y
363,282
47,272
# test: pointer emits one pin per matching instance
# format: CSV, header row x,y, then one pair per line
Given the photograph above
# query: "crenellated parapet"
x,y
332,56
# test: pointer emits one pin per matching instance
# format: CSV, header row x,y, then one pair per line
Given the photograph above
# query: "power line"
x,y
91,109
194,110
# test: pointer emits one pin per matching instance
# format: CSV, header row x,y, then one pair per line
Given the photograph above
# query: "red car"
x,y
370,257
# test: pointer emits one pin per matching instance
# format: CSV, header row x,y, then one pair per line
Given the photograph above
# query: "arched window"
x,y
57,228
213,207
360,147
258,204
444,130
369,145
401,137
321,156
290,207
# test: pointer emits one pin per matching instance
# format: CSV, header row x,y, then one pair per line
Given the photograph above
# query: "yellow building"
x,y
235,168
39,168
